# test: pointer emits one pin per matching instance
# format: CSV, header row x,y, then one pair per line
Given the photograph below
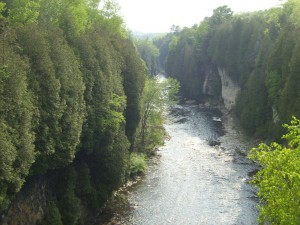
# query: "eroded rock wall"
x,y
28,207
230,90
212,83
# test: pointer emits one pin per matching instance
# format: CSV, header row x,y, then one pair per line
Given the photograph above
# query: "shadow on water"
x,y
200,179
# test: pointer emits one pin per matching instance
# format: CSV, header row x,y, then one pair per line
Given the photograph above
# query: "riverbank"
x,y
118,205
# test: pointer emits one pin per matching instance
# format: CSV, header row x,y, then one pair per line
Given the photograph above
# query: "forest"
x,y
80,108
258,50
73,93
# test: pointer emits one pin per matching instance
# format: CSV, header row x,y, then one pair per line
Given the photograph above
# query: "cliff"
x,y
29,206
212,83
230,90
219,86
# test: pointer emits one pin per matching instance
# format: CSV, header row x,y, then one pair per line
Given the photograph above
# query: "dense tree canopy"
x,y
71,83
75,100
149,53
17,150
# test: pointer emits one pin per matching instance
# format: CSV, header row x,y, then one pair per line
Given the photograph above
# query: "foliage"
x,y
103,138
259,51
73,98
182,63
158,95
110,8
24,11
173,43
252,105
52,216
292,8
149,53
109,17
70,91
17,150
134,74
85,189
279,179
60,95
68,202
220,15
2,9
162,43
138,164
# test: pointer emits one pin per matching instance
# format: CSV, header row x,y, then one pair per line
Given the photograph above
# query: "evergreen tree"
x,y
17,151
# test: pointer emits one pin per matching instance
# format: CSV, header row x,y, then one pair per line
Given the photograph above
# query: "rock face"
x,y
230,90
212,83
28,207
276,118
219,86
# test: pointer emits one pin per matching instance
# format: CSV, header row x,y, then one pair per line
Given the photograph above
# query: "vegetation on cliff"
x,y
258,50
71,101
78,109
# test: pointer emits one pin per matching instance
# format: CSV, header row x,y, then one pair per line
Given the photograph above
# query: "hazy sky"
x,y
159,15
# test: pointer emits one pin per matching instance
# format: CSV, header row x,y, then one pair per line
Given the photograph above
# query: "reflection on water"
x,y
195,183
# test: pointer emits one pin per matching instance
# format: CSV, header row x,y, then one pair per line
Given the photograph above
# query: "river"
x,y
195,182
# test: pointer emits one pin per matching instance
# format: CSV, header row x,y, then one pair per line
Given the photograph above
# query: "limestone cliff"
x,y
212,84
219,86
230,90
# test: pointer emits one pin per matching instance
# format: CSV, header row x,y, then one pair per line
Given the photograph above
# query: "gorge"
x,y
81,111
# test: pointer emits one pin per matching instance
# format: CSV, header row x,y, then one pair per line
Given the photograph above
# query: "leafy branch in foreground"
x,y
279,179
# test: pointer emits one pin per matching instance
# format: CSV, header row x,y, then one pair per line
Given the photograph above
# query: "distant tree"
x,y
149,53
273,83
182,62
110,8
175,29
109,16
220,15
74,17
24,11
2,10
290,95
292,11
158,95
162,43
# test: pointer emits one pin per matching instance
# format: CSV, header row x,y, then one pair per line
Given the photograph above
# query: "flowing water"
x,y
195,182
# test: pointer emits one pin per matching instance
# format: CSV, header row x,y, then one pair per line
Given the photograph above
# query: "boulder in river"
x,y
181,120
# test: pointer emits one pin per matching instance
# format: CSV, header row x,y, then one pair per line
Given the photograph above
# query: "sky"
x,y
156,16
